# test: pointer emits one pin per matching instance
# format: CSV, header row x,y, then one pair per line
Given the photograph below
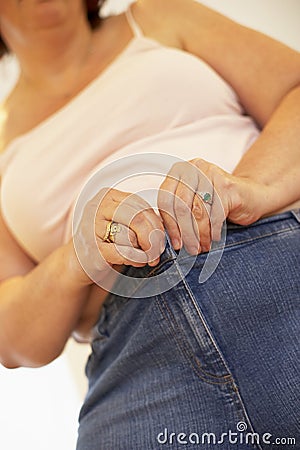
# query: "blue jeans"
x,y
212,365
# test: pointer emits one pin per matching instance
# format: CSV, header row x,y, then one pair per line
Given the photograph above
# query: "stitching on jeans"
x,y
189,356
229,382
160,266
202,318
244,241
146,278
259,237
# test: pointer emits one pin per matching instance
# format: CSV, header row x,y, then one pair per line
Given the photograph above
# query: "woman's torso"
x,y
152,97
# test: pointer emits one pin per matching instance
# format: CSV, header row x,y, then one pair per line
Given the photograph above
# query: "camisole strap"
x,y
135,28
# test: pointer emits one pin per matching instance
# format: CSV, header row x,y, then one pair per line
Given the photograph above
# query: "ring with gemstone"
x,y
206,197
112,228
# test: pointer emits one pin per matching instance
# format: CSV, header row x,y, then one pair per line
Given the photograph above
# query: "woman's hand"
x,y
118,228
197,196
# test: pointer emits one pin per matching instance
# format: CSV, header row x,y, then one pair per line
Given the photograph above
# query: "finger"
x,y
156,236
181,183
121,254
175,206
218,216
200,213
220,204
165,202
183,204
141,205
151,238
124,235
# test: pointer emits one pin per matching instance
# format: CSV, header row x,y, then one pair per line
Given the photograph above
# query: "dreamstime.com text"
x,y
239,436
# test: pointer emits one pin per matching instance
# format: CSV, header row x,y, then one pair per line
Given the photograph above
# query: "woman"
x,y
199,358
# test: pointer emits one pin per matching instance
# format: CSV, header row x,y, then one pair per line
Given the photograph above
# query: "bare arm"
x,y
265,74
39,305
274,159
260,69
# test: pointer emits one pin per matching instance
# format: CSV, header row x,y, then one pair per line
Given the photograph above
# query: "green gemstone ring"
x,y
206,197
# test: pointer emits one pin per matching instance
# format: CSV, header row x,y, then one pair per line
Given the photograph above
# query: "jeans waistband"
x,y
233,235
294,213
265,226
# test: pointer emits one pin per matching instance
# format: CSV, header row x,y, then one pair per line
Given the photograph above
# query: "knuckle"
x,y
197,212
200,163
138,221
178,165
177,169
139,201
165,200
131,237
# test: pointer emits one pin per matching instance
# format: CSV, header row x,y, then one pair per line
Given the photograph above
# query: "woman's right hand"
x,y
139,240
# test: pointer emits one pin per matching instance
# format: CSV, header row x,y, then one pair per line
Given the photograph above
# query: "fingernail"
x,y
195,250
154,263
216,237
176,244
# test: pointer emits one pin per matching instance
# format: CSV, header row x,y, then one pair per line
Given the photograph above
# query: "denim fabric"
x,y
178,369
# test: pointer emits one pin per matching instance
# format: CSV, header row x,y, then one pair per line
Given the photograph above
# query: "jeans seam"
x,y
266,235
159,266
202,318
189,356
245,241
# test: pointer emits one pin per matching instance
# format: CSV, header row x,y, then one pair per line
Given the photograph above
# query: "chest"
x,y
149,93
20,114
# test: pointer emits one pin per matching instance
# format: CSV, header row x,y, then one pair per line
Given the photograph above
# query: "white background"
x,y
39,407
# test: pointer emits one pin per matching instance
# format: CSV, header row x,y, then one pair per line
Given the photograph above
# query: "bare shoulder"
x,y
172,13
260,69
161,19
182,21
164,8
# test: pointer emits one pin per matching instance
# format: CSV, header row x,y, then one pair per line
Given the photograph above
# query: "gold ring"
x,y
112,228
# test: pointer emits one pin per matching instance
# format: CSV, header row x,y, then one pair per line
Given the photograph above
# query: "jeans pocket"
x,y
192,336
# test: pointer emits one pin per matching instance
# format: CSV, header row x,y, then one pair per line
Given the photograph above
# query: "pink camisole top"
x,y
150,99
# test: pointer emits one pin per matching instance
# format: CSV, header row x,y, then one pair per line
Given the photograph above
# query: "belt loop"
x,y
296,214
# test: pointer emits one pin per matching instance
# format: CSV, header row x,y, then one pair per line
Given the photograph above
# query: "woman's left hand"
x,y
197,196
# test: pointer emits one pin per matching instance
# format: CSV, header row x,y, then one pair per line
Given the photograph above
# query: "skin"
x,y
59,55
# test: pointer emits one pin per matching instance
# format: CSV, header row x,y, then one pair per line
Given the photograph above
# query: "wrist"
x,y
73,267
251,200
